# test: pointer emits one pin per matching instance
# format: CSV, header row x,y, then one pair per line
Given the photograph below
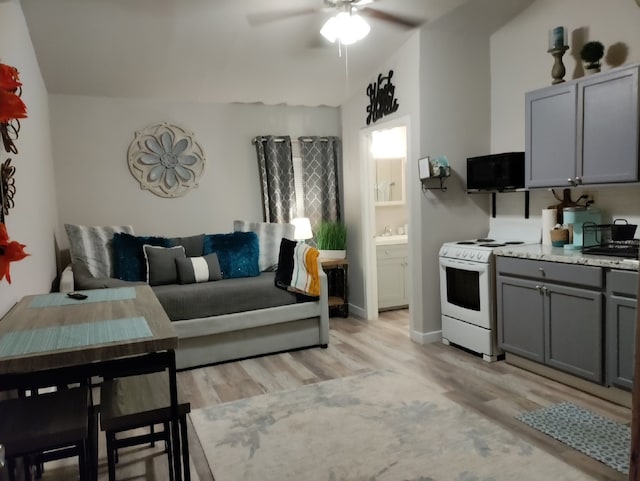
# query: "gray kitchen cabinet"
x,y
573,331
621,327
550,138
520,317
584,131
393,273
552,313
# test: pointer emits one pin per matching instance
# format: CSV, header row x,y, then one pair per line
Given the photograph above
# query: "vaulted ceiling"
x,y
209,50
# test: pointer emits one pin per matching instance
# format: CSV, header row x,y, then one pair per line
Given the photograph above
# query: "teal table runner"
x,y
78,335
57,299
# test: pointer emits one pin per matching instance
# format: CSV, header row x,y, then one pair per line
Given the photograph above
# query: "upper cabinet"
x,y
584,131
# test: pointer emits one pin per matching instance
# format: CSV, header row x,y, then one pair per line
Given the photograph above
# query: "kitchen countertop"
x,y
558,254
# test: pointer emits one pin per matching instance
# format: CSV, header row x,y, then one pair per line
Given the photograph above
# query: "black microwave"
x,y
496,172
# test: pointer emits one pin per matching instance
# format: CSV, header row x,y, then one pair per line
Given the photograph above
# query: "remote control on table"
x,y
77,295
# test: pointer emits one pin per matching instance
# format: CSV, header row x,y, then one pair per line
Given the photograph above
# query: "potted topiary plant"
x,y
591,53
331,240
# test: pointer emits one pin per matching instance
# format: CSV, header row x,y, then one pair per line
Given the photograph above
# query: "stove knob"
x,y
464,254
458,254
472,255
444,251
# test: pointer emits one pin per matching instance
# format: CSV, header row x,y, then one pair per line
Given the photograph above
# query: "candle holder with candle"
x,y
557,47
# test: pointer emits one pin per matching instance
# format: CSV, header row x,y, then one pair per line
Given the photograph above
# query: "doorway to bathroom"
x,y
386,217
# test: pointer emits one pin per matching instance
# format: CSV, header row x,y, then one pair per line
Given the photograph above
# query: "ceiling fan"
x,y
347,18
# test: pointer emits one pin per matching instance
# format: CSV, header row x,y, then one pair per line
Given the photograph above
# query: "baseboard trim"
x,y
426,337
612,394
356,311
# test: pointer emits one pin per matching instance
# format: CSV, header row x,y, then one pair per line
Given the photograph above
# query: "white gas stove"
x,y
467,290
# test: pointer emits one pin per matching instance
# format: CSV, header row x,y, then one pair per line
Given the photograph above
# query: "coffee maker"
x,y
574,218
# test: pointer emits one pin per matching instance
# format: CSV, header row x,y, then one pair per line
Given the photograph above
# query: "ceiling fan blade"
x,y
405,22
257,19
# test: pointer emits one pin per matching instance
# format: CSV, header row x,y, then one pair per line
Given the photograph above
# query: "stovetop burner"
x,y
513,243
466,243
492,244
484,240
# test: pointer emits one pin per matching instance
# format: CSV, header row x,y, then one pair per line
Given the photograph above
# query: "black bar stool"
x,y
141,401
46,427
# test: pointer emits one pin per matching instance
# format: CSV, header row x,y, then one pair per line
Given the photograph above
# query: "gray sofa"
x,y
226,319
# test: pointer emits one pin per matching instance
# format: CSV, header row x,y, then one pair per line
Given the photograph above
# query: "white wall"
x,y
520,63
455,112
90,141
405,66
34,219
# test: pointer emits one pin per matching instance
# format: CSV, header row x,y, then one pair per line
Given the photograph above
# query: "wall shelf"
x,y
431,180
493,198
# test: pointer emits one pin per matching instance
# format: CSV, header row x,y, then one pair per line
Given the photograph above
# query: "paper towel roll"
x,y
549,220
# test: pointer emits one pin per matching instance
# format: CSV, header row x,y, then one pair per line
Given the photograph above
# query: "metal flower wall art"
x,y
12,108
166,160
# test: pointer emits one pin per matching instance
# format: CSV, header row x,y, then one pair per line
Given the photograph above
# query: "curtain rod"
x,y
295,141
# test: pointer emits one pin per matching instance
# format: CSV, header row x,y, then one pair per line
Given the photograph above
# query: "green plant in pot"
x,y
591,53
331,240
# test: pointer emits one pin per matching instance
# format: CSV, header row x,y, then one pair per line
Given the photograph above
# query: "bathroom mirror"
x,y
389,186
389,154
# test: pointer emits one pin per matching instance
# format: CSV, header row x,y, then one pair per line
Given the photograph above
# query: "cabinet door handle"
x,y
544,290
538,288
571,181
578,180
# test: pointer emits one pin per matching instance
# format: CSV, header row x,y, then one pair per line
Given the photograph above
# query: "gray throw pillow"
x,y
193,245
198,269
161,264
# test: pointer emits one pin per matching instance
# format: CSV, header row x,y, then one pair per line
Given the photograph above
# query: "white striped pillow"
x,y
270,236
91,246
198,269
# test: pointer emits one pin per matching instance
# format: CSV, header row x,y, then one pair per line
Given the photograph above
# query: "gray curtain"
x,y
276,176
320,175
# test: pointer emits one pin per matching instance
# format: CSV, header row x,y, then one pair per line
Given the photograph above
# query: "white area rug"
x,y
379,426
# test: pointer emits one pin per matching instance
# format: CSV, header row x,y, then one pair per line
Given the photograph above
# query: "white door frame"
x,y
368,219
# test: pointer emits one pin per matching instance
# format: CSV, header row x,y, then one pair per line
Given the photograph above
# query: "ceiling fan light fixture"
x,y
346,27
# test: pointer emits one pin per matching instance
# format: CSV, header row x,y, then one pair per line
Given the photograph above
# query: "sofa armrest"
x,y
66,279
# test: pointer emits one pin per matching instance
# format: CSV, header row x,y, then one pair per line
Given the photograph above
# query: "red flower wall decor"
x,y
11,105
10,251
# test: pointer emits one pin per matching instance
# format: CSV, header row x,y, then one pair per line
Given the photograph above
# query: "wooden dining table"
x,y
50,339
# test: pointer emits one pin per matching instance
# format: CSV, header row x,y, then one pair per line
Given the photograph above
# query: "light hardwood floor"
x,y
497,390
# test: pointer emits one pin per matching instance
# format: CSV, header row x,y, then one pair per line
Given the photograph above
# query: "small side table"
x,y
337,270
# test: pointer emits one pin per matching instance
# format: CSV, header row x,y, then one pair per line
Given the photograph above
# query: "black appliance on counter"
x,y
610,240
496,172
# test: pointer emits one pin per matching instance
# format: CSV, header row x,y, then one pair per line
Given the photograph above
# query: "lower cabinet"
x,y
393,276
544,316
621,327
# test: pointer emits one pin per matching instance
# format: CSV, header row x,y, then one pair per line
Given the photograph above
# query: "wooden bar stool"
x,y
46,427
141,401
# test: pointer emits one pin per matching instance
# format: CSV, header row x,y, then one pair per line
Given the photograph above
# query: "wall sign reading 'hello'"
x,y
382,99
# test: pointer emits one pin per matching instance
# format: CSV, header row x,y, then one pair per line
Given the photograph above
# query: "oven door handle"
x,y
467,265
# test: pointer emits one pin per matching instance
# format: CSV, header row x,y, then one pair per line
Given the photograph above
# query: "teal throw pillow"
x,y
129,263
237,252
